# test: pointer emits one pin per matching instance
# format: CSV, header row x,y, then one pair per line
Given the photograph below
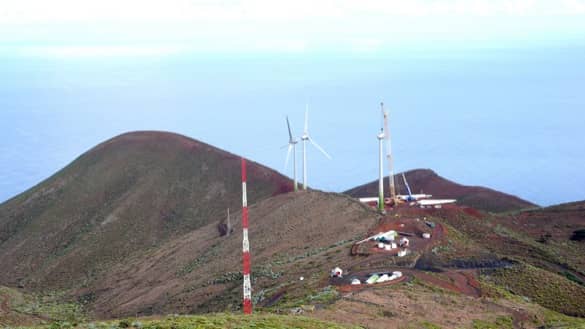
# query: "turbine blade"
x,y
386,128
289,131
319,148
290,146
407,186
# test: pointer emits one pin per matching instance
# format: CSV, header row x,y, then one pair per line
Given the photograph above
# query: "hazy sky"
x,y
484,92
154,27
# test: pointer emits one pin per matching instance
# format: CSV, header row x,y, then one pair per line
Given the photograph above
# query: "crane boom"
x,y
410,197
389,154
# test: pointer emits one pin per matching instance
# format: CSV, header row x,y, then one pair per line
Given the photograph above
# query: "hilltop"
x,y
127,195
429,182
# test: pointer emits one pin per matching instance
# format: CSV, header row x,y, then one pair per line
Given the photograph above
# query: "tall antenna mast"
x,y
389,155
246,245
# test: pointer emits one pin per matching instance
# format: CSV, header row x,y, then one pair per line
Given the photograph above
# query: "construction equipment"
x,y
422,200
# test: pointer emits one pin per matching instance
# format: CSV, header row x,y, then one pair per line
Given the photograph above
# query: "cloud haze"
x,y
270,26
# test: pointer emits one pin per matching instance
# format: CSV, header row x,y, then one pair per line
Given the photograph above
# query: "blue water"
x,y
509,119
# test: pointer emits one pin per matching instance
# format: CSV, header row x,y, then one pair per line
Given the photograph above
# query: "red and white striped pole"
x,y
246,245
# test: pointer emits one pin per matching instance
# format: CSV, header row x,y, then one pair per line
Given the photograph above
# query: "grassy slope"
x,y
545,288
291,235
19,308
548,273
213,321
428,306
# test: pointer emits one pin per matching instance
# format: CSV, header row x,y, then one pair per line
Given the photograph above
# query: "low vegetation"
x,y
213,321
545,288
503,322
18,308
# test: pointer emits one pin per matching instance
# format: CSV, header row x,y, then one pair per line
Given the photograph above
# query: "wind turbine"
x,y
292,147
381,137
389,155
306,137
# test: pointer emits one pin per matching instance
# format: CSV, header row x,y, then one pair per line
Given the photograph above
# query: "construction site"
x,y
395,241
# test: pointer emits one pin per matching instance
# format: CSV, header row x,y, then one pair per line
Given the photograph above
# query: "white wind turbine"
x,y
381,137
292,147
306,137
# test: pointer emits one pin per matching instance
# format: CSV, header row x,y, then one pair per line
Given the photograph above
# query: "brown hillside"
x,y
555,222
428,181
125,196
291,235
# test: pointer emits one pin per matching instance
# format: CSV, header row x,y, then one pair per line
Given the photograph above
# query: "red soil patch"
x,y
472,212
463,282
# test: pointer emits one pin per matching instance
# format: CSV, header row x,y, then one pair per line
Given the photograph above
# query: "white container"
x,y
355,282
397,274
372,279
383,278
381,245
387,247
402,253
336,272
394,245
426,235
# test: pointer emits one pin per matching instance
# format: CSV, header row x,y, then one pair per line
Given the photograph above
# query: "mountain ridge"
x,y
430,182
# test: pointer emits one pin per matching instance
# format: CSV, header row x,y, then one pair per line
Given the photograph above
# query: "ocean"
x,y
509,119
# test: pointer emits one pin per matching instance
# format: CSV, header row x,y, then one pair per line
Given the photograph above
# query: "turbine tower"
x,y
389,156
381,167
292,147
306,137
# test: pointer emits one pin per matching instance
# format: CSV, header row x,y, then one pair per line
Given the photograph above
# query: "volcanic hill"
x,y
125,196
430,182
131,229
